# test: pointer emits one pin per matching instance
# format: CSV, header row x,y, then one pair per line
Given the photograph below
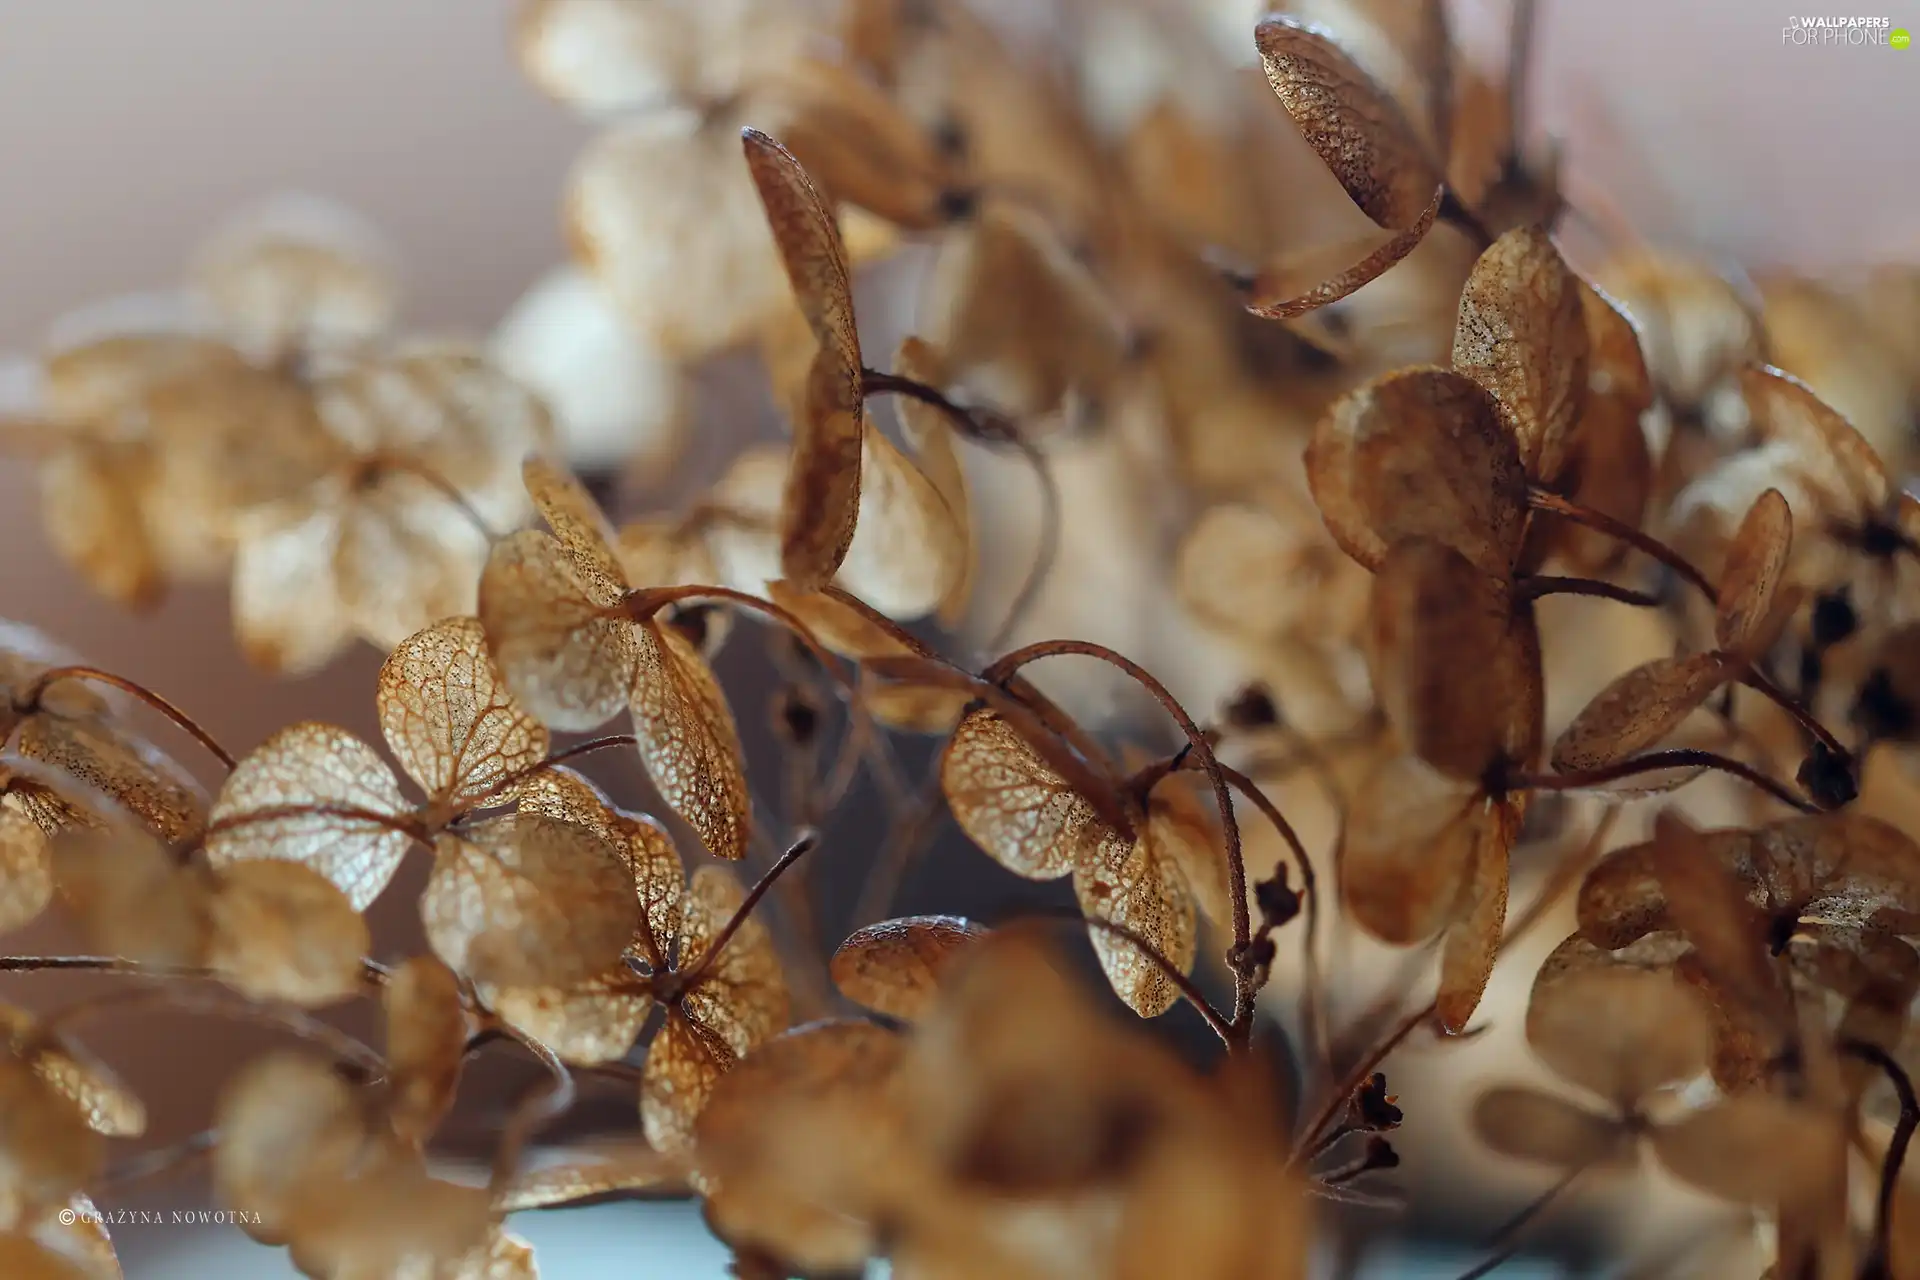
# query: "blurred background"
x,y
129,127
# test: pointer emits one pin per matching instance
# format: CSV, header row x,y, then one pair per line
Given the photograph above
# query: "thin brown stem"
x,y
1757,681
573,752
682,983
1878,1259
1653,762
1601,522
531,1113
1538,585
373,973
1238,959
30,698
157,1163
405,824
1505,1238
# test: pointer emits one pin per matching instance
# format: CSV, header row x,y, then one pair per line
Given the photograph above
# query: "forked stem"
x,y
30,699
1601,522
1506,1238
1239,958
684,982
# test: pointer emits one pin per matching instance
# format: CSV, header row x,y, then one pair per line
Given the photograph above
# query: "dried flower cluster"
x,y
1341,476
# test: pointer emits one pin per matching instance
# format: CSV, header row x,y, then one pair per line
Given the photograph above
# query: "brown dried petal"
x,y
287,611
1832,457
26,869
1187,829
1756,1149
585,1022
908,551
91,502
895,967
527,900
1148,894
1710,906
426,1044
1471,943
313,766
128,896
822,497
1419,453
1528,1125
1411,840
844,623
287,1123
816,1089
658,877
1522,334
1619,1032
743,997
1310,281
406,556
1012,803
1639,709
49,1152
283,931
116,764
107,1105
448,718
562,658
1356,129
688,741
633,1166
684,1063
1756,561
1438,645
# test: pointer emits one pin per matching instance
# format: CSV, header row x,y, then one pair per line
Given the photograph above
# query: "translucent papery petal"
x,y
1527,1125
1148,894
26,653
931,436
630,1166
91,498
442,407
1846,866
107,1105
312,766
1619,1032
567,663
585,1022
579,526
1832,458
51,1154
684,1063
658,876
895,967
287,611
1326,275
688,741
1522,334
447,716
908,550
1471,942
427,1029
115,764
527,900
287,1123
1755,564
129,897
1419,453
407,556
283,931
26,868
662,211
1410,842
788,1137
743,998
1738,1150
1639,709
1012,803
94,380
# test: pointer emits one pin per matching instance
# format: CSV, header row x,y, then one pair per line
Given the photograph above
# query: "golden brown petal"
x,y
783,1138
684,1063
1639,709
283,931
743,997
26,868
584,1022
1148,894
688,741
1013,804
633,1166
448,718
91,500
1619,1032
1522,335
1471,942
1744,621
1351,123
1419,453
50,1153
311,766
1834,458
566,661
287,611
1739,1150
1411,840
426,1044
895,967
1310,281
1526,1125
129,896
287,1123
107,1105
524,899
114,763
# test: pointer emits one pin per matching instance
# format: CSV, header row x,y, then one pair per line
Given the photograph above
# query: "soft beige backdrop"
x,y
128,126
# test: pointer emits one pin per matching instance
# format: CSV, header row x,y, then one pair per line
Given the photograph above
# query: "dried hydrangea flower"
x,y
512,897
553,607
896,967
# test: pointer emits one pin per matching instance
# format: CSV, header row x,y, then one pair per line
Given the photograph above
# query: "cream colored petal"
x,y
448,718
287,611
283,931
